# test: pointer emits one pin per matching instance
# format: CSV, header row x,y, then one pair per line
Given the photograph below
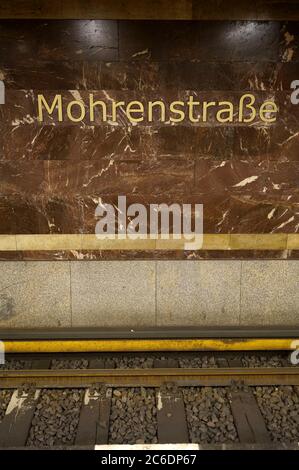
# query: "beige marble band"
x,y
57,242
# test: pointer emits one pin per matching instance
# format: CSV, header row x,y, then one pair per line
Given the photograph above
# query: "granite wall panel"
x,y
128,294
35,294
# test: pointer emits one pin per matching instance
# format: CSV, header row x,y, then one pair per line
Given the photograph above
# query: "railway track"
x,y
224,404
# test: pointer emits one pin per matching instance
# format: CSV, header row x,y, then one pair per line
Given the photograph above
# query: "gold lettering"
x,y
69,111
177,111
173,111
191,105
264,112
57,103
151,104
249,105
92,105
129,111
115,105
205,106
229,110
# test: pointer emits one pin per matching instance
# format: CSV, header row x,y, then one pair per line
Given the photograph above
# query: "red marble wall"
x,y
52,174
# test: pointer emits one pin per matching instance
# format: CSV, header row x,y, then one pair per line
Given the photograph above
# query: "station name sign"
x,y
246,109
84,107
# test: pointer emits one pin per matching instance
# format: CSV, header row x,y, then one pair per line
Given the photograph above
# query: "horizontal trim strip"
x,y
222,241
134,345
183,332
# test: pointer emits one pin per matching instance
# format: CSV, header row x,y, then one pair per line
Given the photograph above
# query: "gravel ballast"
x,y
280,409
198,362
69,364
133,418
262,361
56,418
209,415
130,362
198,359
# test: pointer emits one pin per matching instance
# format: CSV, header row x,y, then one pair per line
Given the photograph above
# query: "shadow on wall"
x,y
6,307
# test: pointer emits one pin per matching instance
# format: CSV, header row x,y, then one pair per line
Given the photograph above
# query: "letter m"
x,y
56,104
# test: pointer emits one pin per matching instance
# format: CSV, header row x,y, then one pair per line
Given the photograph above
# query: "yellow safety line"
x,y
127,345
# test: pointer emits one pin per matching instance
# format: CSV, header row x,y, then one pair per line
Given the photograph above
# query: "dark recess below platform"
x,y
159,333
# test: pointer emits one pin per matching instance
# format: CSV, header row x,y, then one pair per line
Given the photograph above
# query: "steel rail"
x,y
83,378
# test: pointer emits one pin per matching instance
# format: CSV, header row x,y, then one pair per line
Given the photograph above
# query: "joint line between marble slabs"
x,y
118,52
71,294
156,299
240,301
